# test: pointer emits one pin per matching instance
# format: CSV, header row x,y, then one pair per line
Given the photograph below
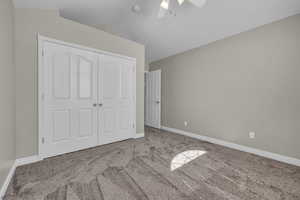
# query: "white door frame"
x,y
41,39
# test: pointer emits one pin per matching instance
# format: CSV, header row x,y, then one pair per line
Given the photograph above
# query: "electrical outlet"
x,y
185,123
251,135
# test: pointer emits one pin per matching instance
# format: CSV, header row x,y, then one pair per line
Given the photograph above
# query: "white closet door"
x,y
116,96
70,92
153,99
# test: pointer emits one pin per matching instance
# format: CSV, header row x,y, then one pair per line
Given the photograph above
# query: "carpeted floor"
x,y
161,166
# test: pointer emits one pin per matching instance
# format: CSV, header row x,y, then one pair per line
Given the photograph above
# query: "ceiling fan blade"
x,y
162,13
198,3
180,1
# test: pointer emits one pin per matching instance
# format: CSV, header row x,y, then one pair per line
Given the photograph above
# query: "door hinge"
x,y
43,140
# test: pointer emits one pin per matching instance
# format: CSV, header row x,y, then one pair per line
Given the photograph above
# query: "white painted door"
x,y
70,94
153,98
117,97
86,99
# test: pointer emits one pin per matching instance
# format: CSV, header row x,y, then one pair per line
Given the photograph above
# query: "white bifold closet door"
x,y
88,99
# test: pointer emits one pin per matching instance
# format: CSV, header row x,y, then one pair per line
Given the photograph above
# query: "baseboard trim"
x,y
18,162
28,160
139,135
266,154
7,180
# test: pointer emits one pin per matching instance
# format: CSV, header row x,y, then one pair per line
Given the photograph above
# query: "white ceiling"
x,y
190,28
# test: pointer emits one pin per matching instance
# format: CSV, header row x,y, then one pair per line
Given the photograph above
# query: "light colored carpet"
x,y
161,166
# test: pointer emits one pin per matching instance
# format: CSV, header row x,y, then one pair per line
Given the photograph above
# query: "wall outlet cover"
x,y
251,135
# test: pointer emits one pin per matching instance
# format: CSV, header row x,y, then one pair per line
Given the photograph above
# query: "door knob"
x,y
157,102
100,104
94,104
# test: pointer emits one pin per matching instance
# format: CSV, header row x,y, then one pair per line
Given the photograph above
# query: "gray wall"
x,y
249,82
7,90
29,22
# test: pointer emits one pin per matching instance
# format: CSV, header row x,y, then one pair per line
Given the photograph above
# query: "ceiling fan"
x,y
165,4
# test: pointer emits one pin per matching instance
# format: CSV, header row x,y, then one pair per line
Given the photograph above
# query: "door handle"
x,y
94,104
100,104
158,102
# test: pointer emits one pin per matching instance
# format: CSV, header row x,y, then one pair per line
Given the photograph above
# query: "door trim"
x,y
41,39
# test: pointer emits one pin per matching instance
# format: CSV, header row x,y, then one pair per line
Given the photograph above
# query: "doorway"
x,y
153,99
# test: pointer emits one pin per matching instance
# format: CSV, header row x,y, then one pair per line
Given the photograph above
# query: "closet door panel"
x,y
115,95
70,90
125,111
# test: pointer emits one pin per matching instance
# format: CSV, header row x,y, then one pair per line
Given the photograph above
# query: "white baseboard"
x,y
7,180
139,135
18,162
266,154
27,160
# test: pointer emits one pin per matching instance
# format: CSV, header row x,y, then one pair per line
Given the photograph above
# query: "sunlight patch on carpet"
x,y
185,157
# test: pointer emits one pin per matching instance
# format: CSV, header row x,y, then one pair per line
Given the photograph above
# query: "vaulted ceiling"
x,y
190,28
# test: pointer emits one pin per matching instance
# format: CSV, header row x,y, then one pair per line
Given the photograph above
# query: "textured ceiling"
x,y
190,28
